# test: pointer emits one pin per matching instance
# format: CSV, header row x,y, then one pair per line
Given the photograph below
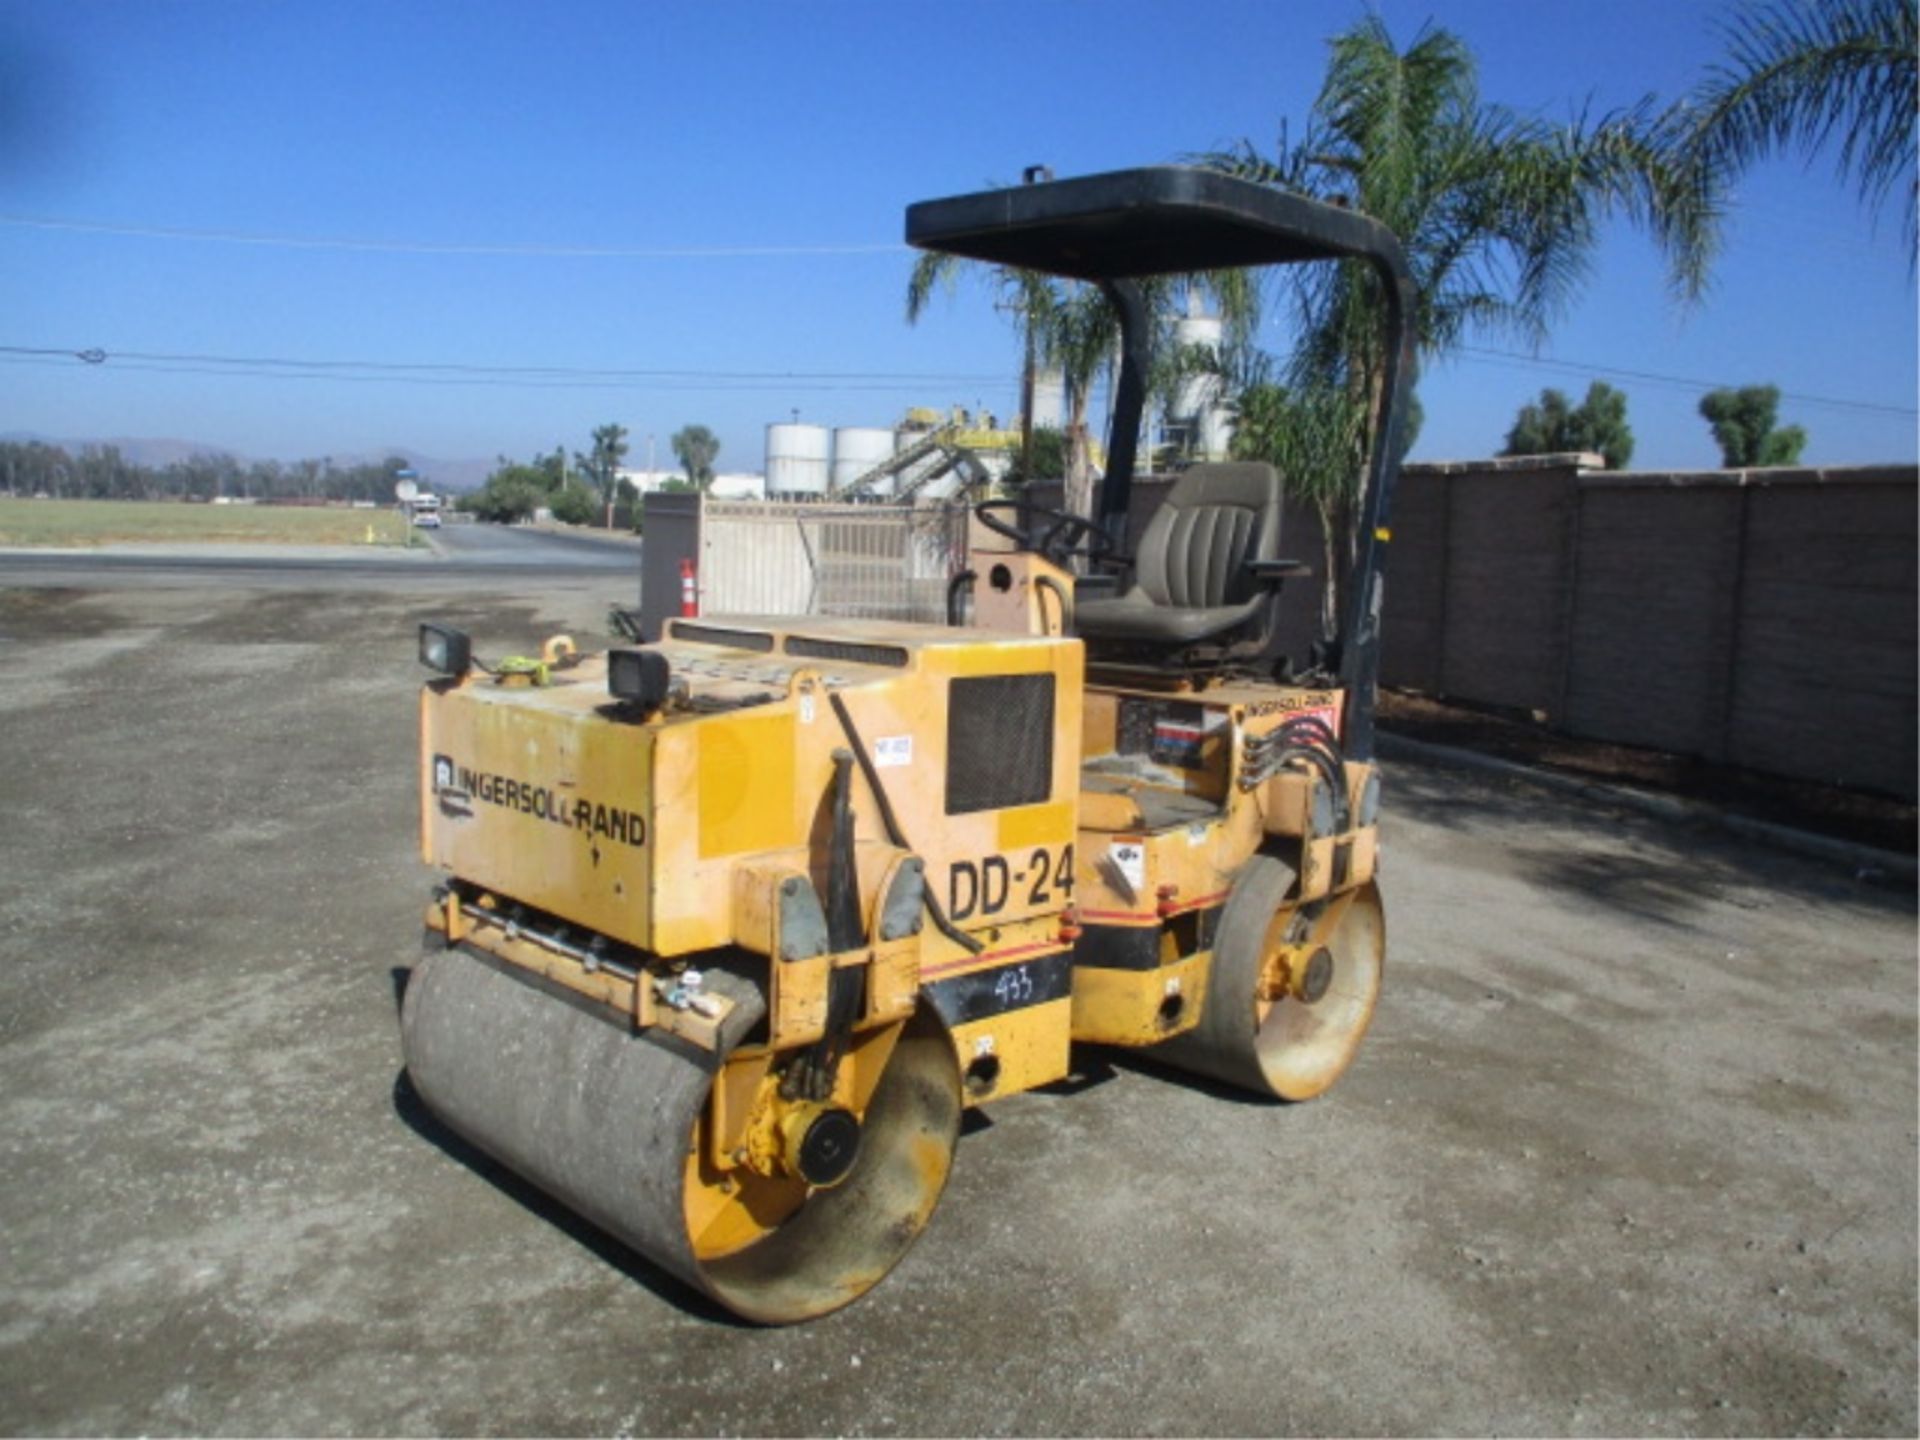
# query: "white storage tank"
x,y
1198,393
1049,399
856,450
797,459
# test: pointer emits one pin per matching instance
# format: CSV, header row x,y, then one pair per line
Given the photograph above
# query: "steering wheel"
x,y
1059,537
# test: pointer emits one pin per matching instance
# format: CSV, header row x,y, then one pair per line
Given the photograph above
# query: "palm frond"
x,y
1798,73
932,270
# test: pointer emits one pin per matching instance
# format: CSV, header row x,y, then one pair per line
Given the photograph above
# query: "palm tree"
x,y
1071,327
601,465
1063,325
1796,74
1499,214
695,447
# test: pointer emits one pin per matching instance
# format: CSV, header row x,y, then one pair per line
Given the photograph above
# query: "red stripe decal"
x,y
990,956
1217,898
1149,917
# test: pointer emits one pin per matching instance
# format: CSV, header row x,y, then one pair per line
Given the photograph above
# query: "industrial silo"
x,y
1049,399
856,450
797,459
1199,390
1198,409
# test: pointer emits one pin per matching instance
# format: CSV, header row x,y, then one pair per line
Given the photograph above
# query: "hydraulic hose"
x,y
887,818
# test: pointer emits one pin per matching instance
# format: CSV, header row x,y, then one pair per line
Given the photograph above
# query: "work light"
x,y
445,649
639,677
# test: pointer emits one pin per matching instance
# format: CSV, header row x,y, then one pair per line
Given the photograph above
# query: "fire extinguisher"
x,y
689,591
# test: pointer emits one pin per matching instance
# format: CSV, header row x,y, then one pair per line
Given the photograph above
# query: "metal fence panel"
x,y
879,562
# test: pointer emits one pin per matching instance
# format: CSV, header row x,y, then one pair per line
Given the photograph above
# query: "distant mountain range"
x,y
158,452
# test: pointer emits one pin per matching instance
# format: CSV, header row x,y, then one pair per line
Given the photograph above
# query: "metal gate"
x,y
783,557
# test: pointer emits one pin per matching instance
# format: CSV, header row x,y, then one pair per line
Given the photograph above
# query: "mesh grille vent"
x,y
851,651
999,742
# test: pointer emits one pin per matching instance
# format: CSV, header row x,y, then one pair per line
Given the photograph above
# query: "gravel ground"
x,y
1632,1147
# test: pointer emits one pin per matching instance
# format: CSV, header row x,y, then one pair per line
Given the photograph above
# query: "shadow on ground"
x,y
1665,871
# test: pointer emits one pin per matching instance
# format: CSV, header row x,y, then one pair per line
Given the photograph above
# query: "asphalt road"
x,y
544,549
1631,1148
459,555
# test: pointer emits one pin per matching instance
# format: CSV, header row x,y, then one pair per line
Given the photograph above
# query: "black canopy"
x,y
1155,221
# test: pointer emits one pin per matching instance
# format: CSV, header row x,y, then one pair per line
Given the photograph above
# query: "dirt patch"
x,y
52,614
1865,819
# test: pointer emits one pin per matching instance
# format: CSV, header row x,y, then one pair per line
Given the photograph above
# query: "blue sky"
x,y
453,175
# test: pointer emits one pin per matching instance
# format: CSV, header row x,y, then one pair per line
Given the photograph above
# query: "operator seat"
x,y
1191,582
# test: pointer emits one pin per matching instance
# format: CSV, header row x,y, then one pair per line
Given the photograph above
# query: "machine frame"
x,y
739,922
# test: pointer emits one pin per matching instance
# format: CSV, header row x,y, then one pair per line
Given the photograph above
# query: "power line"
x,y
90,357
1516,360
582,371
592,377
455,371
421,247
907,386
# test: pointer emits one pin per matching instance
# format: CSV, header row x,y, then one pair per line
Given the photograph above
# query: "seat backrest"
x,y
1197,545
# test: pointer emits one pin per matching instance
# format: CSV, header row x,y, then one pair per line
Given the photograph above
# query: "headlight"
x,y
445,649
639,677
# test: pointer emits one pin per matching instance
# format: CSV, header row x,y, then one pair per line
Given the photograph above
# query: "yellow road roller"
x,y
739,922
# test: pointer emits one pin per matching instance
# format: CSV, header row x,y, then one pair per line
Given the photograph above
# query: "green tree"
x,y
1062,324
1743,425
1049,457
515,490
1499,214
573,504
102,472
1309,432
33,467
695,447
601,465
1079,334
1799,74
550,470
1552,425
510,495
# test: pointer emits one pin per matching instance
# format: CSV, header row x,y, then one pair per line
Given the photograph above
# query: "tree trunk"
x,y
1330,528
1078,489
1340,515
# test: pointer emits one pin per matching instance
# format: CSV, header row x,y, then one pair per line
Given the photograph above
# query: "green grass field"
x,y
79,523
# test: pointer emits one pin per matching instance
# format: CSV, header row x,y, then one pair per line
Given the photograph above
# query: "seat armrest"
x,y
1272,572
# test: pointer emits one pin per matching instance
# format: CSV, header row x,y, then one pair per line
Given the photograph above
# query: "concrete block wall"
x,y
1761,618
1824,665
1650,642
